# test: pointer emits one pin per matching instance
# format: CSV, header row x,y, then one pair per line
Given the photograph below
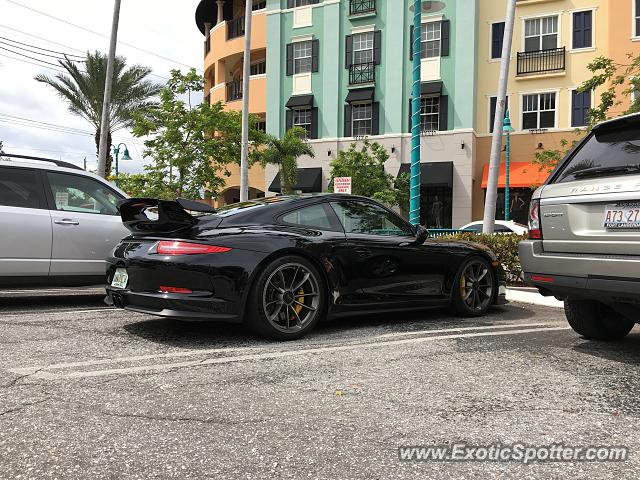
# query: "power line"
x,y
39,48
56,57
101,35
27,56
32,63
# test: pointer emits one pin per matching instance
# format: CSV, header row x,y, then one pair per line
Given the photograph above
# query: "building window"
x,y
538,111
261,5
493,103
497,35
261,126
582,29
580,106
258,68
302,57
430,114
302,119
361,118
636,14
431,39
362,48
541,34
304,3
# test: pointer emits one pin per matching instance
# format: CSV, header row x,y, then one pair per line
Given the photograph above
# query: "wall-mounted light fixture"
x,y
462,145
540,146
393,149
328,153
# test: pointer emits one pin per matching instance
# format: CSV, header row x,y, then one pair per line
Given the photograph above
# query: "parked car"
x,y
584,232
58,223
282,264
501,226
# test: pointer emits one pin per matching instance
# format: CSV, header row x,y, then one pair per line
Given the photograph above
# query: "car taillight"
x,y
535,229
166,247
167,289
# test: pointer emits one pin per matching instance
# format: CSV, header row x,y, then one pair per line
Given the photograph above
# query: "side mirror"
x,y
421,234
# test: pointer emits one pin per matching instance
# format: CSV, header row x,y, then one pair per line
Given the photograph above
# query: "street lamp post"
x,y
125,156
507,129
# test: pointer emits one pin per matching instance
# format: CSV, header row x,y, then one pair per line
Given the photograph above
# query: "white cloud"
x,y
164,27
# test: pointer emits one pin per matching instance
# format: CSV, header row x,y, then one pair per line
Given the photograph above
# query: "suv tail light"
x,y
535,228
166,247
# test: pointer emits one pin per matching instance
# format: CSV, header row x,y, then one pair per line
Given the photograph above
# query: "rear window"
x,y
608,148
20,187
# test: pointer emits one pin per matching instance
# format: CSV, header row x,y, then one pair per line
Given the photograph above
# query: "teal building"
x,y
341,69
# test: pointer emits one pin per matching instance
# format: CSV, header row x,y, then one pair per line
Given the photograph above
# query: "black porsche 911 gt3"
x,y
282,264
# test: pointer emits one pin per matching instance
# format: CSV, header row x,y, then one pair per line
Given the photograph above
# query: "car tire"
x,y
475,287
595,320
287,300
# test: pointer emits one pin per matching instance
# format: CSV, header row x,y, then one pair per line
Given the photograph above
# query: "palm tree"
x,y
284,152
84,92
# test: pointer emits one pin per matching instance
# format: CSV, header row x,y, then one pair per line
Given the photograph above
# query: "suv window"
x,y
75,193
20,187
607,149
315,216
363,217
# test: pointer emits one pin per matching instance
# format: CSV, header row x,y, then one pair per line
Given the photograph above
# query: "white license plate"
x,y
622,215
120,278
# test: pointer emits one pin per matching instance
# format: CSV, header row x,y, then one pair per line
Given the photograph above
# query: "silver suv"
x,y
58,224
584,232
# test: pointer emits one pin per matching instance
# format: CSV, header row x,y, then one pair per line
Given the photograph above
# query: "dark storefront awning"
x,y
431,88
309,181
433,174
360,95
298,101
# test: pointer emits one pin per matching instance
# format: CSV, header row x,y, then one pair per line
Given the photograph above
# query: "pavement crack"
x,y
13,382
168,418
24,405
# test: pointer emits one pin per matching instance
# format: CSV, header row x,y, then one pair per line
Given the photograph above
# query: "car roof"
x,y
52,167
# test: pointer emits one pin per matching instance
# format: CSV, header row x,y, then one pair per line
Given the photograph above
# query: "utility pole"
x,y
414,189
489,220
108,84
246,72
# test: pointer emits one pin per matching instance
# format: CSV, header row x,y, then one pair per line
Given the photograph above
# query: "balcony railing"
x,y
541,61
235,28
358,7
362,73
234,90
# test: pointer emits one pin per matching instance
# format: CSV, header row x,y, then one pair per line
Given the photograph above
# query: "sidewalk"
x,y
532,297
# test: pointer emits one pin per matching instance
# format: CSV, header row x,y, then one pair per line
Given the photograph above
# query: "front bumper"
x,y
178,306
610,278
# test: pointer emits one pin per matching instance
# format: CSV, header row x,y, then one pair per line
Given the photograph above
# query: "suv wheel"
x,y
596,321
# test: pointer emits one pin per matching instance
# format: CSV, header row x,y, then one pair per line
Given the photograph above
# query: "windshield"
x,y
605,153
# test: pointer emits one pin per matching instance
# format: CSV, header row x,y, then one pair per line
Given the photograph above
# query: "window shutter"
x,y
314,123
576,107
288,120
497,36
586,105
444,113
315,50
347,120
348,51
290,3
588,16
411,43
289,59
377,46
375,118
444,35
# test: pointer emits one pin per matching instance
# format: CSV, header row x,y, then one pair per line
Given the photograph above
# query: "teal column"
x,y
507,131
414,192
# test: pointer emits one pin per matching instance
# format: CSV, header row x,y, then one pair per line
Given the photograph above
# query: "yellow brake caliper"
x,y
298,308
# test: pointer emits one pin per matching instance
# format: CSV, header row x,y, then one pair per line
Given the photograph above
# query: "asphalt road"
x,y
91,392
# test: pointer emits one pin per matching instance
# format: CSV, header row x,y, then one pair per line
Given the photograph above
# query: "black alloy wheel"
x,y
475,287
288,299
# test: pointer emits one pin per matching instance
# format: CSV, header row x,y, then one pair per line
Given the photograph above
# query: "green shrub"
x,y
504,246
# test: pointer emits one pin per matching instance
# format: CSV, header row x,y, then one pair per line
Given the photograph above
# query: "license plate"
x,y
622,215
120,278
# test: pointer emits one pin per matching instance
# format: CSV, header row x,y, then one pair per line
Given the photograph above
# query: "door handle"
x,y
66,221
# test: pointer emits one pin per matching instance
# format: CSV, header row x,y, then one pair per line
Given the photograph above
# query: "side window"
x,y
74,193
362,217
314,216
20,187
502,229
476,227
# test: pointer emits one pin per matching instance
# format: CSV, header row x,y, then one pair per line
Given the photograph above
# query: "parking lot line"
x,y
45,373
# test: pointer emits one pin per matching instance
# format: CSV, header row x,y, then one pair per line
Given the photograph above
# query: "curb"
x,y
532,298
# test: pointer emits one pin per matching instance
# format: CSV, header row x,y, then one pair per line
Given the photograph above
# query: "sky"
x,y
157,28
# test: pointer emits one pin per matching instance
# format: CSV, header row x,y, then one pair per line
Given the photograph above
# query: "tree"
x,y
191,144
284,153
365,166
621,80
83,90
1,151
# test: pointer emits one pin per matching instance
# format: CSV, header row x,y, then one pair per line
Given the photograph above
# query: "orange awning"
x,y
521,175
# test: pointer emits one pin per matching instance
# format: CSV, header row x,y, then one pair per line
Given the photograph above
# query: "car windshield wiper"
x,y
597,171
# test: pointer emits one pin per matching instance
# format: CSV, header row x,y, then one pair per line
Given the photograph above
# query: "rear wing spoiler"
x,y
170,216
